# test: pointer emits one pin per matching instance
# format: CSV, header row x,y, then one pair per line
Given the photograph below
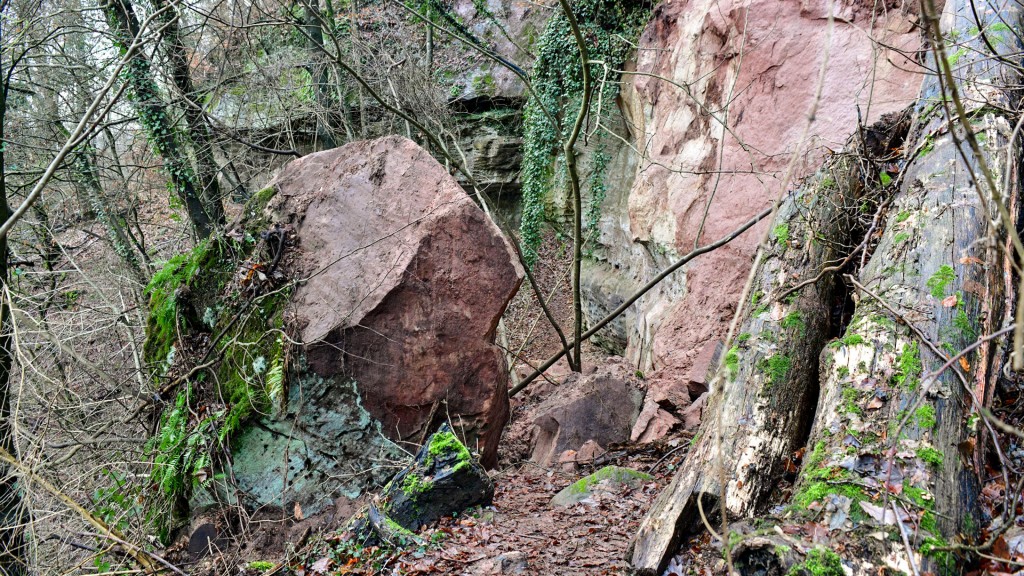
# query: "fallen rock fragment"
x,y
598,407
443,480
609,478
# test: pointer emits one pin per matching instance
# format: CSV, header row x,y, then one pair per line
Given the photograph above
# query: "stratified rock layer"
x,y
405,280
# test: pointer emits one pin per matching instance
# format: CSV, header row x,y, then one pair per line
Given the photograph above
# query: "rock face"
x,y
755,63
406,281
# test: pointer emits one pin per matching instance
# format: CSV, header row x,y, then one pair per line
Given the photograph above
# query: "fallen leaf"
x,y
949,301
885,516
971,260
965,364
322,565
297,511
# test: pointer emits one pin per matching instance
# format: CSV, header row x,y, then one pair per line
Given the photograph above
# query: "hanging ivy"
x,y
610,27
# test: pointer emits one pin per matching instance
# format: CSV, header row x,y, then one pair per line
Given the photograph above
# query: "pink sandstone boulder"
x,y
405,280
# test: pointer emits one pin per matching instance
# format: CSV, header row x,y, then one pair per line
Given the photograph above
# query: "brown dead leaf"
x,y
971,260
965,364
875,403
297,511
949,301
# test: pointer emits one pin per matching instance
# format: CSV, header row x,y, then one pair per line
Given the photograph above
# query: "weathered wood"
x,y
769,379
884,456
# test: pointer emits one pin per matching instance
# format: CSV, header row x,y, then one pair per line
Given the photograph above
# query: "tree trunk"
x,y
312,24
13,515
768,380
152,111
890,477
198,128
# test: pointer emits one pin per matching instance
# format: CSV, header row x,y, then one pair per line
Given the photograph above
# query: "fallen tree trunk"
x,y
890,478
770,373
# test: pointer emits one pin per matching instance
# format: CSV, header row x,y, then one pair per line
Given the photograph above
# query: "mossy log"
x,y
889,478
891,448
769,383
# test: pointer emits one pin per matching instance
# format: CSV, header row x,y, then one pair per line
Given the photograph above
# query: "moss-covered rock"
x,y
609,476
445,479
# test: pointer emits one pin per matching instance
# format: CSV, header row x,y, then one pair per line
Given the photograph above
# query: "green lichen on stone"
x,y
819,562
924,417
942,278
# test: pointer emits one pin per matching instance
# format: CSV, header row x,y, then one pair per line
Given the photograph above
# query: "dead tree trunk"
x,y
889,479
768,378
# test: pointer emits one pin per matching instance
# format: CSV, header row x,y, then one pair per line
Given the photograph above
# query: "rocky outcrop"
x,y
399,282
753,64
405,280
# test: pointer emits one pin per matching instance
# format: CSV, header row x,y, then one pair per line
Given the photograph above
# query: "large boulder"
x,y
405,281
390,281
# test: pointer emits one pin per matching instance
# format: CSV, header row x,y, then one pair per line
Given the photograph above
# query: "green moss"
x,y
828,183
902,216
932,548
743,337
853,340
448,445
924,417
163,289
793,321
900,237
930,455
819,562
613,473
776,368
849,405
942,278
260,566
263,196
819,491
908,367
781,233
414,485
732,362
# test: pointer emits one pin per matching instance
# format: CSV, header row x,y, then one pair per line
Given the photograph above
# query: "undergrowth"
x,y
209,301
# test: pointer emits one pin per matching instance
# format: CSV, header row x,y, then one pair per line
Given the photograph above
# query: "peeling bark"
x,y
769,380
890,475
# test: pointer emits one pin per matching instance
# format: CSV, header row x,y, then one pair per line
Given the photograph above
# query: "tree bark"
x,y
890,477
199,132
152,111
13,515
768,380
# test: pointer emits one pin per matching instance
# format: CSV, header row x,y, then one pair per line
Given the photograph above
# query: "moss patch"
x,y
942,278
820,562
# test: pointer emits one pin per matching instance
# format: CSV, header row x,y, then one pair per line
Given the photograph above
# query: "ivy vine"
x,y
610,26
